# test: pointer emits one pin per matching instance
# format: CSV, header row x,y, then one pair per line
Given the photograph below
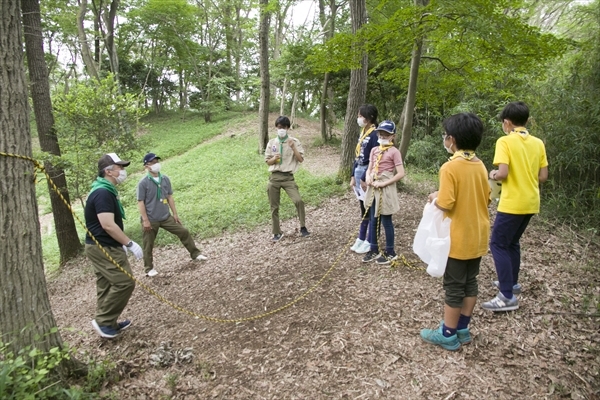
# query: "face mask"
x,y
122,176
281,132
155,168
361,122
383,141
448,149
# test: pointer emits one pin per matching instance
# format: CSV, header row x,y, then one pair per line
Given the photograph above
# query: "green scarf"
x,y
158,191
106,184
281,142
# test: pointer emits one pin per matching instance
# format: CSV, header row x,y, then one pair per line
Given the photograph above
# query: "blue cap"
x,y
149,157
387,126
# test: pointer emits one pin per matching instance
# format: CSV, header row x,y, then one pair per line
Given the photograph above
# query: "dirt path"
x,y
357,335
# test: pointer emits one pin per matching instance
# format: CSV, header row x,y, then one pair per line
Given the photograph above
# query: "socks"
x,y
447,332
508,295
463,322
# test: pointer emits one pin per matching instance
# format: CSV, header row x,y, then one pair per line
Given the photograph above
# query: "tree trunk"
x,y
109,40
24,302
328,27
356,95
411,96
263,110
66,232
86,54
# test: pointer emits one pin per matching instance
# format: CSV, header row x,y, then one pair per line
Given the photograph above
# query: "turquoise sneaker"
x,y
463,335
435,336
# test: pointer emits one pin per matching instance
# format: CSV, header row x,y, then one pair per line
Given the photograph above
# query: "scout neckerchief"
x,y
365,133
281,142
466,154
382,149
158,191
106,184
520,130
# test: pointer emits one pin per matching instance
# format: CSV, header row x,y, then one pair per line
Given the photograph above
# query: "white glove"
x,y
135,249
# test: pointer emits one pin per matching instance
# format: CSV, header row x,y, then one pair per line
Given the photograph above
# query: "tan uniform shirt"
x,y
289,163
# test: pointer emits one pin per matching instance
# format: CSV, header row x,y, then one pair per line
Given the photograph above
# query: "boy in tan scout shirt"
x,y
283,155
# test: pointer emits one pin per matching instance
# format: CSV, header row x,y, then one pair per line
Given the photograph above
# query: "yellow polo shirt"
x,y
465,192
525,155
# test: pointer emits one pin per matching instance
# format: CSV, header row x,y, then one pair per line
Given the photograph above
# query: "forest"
x,y
79,79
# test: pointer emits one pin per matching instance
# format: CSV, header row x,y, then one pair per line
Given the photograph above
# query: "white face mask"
x,y
383,141
122,176
155,168
361,122
281,132
448,149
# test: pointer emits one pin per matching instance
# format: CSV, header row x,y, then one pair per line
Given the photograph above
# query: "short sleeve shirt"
x,y
390,159
465,192
289,163
157,208
98,202
525,155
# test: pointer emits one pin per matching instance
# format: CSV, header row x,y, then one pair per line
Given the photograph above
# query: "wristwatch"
x,y
129,244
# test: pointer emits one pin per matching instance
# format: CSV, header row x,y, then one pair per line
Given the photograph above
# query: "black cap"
x,y
149,157
110,159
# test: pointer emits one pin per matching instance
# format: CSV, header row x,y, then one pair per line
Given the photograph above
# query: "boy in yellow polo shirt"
x,y
464,196
522,165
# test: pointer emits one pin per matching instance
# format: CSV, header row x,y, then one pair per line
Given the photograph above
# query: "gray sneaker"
x,y
516,287
501,303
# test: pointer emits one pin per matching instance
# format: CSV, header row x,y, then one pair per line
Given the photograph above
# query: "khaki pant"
x,y
170,226
113,287
285,181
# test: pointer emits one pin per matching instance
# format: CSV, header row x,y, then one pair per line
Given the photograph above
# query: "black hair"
x,y
283,121
516,112
369,112
466,129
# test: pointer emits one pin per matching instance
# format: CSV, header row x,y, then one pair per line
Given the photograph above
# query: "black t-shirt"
x,y
101,201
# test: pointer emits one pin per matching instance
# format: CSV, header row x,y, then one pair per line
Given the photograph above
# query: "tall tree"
x,y
265,95
411,96
328,26
357,92
26,312
66,232
86,54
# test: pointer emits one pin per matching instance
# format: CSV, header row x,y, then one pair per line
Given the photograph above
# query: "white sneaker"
x,y
356,244
365,247
201,258
152,272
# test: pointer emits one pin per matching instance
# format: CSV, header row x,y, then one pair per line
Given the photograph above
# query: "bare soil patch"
x,y
356,336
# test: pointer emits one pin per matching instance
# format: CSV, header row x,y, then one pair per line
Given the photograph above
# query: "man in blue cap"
x,y
155,203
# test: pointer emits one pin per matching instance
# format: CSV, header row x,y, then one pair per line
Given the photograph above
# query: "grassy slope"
x,y
218,185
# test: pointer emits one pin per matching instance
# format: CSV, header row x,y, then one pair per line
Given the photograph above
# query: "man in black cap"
x,y
155,198
104,216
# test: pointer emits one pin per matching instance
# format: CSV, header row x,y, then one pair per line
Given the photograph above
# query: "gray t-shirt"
x,y
147,191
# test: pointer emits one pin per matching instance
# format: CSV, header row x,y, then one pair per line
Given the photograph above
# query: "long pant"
x,y
285,181
460,280
374,226
506,249
170,226
113,287
364,223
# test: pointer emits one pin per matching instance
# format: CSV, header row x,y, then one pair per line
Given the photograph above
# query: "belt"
x,y
282,173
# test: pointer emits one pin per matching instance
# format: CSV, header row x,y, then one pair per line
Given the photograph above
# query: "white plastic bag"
x,y
432,240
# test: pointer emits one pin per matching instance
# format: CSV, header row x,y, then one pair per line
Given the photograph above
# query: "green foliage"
x,y
94,118
567,116
31,373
